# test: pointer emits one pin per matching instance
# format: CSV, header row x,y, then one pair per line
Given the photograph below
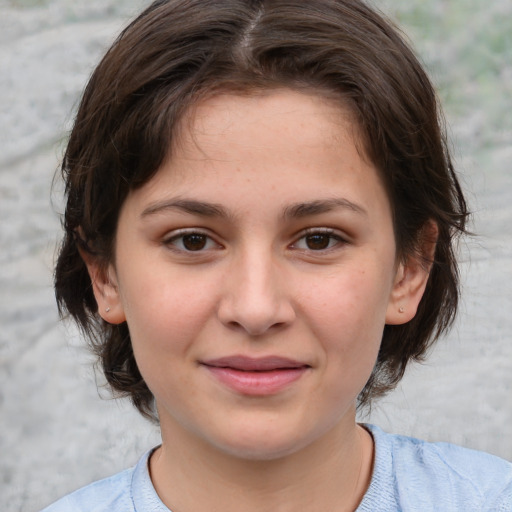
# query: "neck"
x,y
329,475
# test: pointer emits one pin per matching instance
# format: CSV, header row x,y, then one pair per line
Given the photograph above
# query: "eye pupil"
x,y
318,241
194,242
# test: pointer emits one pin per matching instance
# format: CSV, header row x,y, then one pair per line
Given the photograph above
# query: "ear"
x,y
411,278
105,288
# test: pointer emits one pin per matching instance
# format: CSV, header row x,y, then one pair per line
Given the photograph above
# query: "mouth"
x,y
250,364
256,376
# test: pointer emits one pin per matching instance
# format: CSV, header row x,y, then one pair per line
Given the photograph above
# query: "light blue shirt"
x,y
408,475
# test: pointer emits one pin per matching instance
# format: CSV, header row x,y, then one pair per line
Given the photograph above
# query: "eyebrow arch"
x,y
300,210
191,206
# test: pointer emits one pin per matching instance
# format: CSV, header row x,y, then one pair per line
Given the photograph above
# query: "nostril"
x,y
255,328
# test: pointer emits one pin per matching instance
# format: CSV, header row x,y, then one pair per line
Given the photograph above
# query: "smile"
x,y
255,376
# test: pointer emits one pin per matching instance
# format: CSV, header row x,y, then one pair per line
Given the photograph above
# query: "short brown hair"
x,y
178,51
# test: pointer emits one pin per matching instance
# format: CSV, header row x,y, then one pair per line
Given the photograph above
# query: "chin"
x,y
261,450
264,444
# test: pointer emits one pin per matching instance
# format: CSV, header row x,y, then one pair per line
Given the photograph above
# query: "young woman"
x,y
261,213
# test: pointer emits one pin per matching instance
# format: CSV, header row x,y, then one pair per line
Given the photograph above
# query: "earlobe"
x,y
411,278
406,294
105,288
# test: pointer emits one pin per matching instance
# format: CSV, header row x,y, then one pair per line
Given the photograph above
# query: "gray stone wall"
x,y
56,432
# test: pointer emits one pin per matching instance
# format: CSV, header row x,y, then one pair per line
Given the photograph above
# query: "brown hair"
x,y
178,51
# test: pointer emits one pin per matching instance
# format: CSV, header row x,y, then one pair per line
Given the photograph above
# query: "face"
x,y
256,271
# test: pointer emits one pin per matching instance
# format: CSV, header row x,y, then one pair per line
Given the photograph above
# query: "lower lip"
x,y
257,383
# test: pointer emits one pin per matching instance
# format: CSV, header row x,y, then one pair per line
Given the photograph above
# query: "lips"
x,y
255,376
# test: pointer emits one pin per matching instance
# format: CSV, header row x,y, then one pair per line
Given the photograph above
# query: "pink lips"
x,y
255,376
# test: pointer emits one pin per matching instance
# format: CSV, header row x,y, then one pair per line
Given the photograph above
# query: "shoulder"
x,y
111,494
440,476
128,491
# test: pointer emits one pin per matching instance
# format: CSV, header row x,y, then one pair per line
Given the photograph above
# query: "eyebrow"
x,y
294,211
188,206
300,210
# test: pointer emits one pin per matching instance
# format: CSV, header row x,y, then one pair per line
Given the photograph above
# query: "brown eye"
x,y
318,241
194,242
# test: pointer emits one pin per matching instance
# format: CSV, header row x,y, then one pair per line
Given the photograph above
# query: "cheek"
x,y
165,313
346,313
350,301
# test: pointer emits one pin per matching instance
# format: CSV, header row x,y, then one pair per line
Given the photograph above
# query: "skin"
x,y
293,256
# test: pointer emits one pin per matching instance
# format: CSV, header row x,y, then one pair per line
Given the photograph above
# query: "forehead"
x,y
283,146
255,116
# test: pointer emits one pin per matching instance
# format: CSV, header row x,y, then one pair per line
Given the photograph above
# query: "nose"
x,y
256,296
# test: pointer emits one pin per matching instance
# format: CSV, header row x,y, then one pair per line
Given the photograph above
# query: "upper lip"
x,y
245,363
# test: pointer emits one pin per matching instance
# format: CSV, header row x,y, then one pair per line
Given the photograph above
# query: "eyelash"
x,y
332,236
178,239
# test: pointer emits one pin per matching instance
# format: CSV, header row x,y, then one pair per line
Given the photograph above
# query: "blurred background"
x,y
57,433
